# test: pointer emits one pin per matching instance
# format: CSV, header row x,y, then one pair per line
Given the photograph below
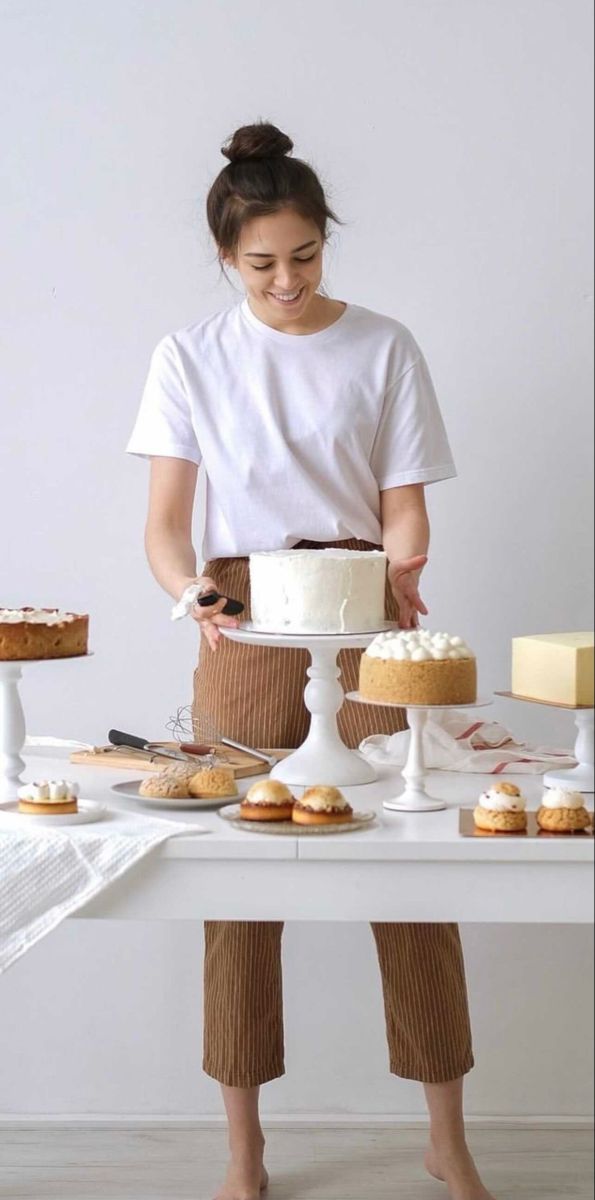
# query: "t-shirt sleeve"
x,y
411,444
163,425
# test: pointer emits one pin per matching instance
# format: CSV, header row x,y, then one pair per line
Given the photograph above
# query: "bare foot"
x,y
243,1183
458,1171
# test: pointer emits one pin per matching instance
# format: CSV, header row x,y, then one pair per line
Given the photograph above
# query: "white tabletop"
x,y
405,866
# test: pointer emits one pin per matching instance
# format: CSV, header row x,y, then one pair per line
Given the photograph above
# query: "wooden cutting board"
x,y
124,758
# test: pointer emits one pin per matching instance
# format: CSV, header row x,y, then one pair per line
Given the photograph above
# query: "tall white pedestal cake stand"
x,y
12,721
415,798
582,777
323,758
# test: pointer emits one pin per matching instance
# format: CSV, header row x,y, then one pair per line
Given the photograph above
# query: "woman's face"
x,y
279,258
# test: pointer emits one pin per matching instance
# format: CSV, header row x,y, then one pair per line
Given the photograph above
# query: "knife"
x,y
117,738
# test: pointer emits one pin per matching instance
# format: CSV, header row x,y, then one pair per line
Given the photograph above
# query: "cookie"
x,y
504,788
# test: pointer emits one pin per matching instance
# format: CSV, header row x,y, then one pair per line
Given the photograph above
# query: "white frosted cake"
x,y
318,591
554,667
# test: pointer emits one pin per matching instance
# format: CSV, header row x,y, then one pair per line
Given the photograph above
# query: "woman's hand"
x,y
210,617
403,577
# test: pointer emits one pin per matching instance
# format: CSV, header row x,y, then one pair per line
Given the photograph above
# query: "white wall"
x,y
455,139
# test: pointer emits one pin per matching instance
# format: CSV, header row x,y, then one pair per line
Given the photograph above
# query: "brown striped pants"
x,y
255,695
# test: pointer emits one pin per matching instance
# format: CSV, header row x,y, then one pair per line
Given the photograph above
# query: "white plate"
x,y
131,790
88,811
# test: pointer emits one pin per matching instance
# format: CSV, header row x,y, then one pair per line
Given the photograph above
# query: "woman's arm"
x,y
406,538
168,532
168,539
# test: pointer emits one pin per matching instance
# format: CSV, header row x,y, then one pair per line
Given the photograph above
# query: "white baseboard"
x,y
280,1120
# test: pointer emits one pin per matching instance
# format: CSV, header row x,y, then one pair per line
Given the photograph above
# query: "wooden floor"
x,y
158,1163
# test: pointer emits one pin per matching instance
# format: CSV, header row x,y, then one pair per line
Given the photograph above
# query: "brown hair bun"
x,y
262,140
262,178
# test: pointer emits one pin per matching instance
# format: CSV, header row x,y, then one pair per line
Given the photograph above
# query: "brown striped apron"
x,y
255,695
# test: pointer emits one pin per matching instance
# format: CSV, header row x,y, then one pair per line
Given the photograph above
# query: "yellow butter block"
x,y
557,667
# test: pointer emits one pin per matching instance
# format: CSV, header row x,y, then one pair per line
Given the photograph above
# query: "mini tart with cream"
x,y
31,633
415,666
563,811
501,809
322,806
267,800
48,797
212,782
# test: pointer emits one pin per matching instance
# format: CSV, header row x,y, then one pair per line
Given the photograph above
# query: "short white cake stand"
x,y
12,721
415,798
323,758
582,777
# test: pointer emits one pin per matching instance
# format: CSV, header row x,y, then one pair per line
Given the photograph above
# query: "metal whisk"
x,y
189,726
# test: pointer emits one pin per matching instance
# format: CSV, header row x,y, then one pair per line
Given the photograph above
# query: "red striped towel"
x,y
452,742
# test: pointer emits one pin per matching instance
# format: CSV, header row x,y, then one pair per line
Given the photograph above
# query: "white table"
x,y
406,867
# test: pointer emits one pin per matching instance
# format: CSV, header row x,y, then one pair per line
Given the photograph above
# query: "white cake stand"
x,y
323,757
582,777
12,721
415,798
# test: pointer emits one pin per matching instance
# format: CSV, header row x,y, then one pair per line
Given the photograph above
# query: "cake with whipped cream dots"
x,y
415,666
318,591
31,633
48,797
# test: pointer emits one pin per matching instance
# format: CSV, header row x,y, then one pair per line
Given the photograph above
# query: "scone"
x,y
48,797
166,785
322,806
267,800
213,782
501,809
563,811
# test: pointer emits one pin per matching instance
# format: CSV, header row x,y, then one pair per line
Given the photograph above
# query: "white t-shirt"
x,y
298,434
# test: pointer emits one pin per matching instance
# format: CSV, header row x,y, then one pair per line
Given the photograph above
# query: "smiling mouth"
x,y
288,298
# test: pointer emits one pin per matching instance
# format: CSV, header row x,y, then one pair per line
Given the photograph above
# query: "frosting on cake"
x,y
318,591
418,645
560,798
35,616
503,797
555,667
49,791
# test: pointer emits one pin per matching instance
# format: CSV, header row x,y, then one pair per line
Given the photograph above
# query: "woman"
x,y
317,424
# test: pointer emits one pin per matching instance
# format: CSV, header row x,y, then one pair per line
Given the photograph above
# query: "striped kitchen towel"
x,y
453,742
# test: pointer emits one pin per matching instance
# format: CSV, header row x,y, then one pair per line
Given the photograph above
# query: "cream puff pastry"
x,y
501,809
